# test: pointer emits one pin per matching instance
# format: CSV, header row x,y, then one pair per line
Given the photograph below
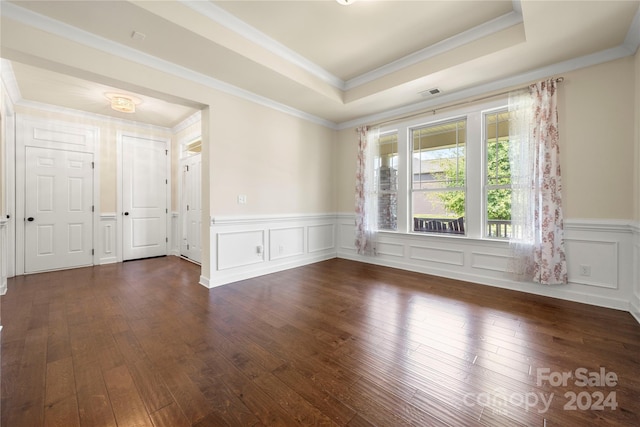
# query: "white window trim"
x,y
475,173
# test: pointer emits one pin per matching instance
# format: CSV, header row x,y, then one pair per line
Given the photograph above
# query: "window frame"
x,y
475,171
410,172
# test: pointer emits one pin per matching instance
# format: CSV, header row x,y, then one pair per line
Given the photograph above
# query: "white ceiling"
x,y
330,62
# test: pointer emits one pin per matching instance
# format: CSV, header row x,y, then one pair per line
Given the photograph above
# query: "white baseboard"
x,y
634,309
204,281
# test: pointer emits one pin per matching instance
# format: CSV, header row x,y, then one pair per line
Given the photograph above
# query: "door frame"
x,y
183,143
181,209
23,124
119,157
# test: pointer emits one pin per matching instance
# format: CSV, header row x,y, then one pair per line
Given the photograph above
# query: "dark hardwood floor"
x,y
334,343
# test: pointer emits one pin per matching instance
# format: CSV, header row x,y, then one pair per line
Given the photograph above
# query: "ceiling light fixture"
x,y
346,2
122,103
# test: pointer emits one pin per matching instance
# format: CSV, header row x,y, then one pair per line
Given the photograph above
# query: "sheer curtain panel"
x,y
537,246
367,191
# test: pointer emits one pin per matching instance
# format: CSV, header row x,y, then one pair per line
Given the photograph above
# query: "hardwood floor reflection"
x,y
334,343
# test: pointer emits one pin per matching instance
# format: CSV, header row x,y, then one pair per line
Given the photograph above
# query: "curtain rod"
x,y
434,110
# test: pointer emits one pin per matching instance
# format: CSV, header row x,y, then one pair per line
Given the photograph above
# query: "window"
x,y
448,175
387,179
438,189
498,174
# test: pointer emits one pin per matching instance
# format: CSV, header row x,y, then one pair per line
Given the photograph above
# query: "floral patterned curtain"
x,y
537,245
366,191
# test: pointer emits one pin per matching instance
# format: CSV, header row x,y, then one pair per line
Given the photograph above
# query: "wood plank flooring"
x,y
337,343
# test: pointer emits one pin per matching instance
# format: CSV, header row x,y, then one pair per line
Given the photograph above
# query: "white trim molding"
x,y
4,258
108,241
634,308
603,247
245,247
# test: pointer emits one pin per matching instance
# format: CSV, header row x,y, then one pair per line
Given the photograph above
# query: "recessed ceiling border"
x,y
86,38
230,21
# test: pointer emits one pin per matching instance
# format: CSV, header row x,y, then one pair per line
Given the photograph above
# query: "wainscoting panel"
x,y
286,242
391,249
252,246
489,261
108,239
635,298
4,256
240,248
436,255
600,258
321,237
175,239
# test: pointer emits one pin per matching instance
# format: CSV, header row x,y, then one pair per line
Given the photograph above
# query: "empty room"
x,y
333,212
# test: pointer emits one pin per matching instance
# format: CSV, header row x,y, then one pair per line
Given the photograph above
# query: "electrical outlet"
x,y
259,249
280,250
585,270
242,199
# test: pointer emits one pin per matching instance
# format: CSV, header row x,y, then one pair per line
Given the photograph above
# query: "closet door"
x,y
144,197
58,209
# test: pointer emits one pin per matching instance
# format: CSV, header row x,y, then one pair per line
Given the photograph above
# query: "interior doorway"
x,y
191,201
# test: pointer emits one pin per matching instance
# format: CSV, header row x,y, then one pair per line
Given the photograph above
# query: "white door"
x,y
144,198
191,208
58,209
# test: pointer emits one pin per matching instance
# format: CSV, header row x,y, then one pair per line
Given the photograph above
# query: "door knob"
x,y
30,219
126,214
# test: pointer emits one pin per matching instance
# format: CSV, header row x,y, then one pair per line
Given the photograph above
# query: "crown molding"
x,y
192,119
88,115
503,84
490,27
86,38
224,18
632,41
9,80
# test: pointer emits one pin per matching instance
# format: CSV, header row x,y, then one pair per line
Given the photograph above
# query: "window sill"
x,y
458,238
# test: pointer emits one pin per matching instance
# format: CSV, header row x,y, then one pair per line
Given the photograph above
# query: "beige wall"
x,y
284,165
596,119
596,110
107,151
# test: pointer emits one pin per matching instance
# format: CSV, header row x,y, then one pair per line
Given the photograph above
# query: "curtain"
x,y
537,246
366,191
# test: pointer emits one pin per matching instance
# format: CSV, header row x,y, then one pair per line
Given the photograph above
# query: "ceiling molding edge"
x,y
192,119
483,30
231,22
226,19
632,41
9,80
509,82
86,38
88,115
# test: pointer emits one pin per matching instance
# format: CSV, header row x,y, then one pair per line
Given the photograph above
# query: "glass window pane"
x,y
498,178
439,211
438,155
387,178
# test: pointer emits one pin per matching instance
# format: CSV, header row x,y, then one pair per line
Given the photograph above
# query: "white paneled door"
x,y
58,209
144,198
191,208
